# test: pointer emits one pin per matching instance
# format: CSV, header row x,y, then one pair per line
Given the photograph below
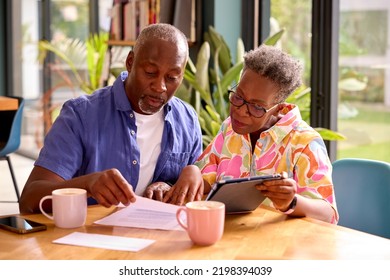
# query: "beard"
x,y
150,105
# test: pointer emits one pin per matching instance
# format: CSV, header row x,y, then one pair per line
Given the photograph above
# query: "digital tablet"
x,y
240,195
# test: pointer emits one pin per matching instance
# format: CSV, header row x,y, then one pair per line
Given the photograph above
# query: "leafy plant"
x,y
76,53
210,83
208,80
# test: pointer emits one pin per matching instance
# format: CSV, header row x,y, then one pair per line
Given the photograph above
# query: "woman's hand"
x,y
189,187
281,191
157,190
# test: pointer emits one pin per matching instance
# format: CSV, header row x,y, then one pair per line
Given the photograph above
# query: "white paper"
x,y
145,213
104,241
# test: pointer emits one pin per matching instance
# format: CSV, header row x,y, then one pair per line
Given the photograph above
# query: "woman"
x,y
266,135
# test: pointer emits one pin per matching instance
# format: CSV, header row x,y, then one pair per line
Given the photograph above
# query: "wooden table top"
x,y
263,234
7,103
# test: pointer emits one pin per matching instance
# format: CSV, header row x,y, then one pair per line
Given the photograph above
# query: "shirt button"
x,y
132,132
134,162
131,115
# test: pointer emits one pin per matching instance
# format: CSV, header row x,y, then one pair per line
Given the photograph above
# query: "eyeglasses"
x,y
253,109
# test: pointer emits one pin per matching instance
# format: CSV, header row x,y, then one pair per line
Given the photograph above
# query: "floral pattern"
x,y
291,145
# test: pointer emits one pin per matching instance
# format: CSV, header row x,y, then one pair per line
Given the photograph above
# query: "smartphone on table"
x,y
20,225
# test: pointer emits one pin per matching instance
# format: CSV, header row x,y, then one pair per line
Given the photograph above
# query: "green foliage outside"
x,y
376,151
76,26
367,132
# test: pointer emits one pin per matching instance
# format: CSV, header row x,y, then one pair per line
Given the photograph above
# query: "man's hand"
x,y
110,188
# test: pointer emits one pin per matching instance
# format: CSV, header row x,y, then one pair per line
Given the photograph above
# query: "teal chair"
x,y
362,190
10,134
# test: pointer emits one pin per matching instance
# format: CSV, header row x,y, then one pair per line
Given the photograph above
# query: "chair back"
x,y
362,190
11,129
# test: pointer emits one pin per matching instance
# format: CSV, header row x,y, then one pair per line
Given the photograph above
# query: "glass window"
x,y
364,79
105,14
69,21
44,87
47,86
296,39
27,71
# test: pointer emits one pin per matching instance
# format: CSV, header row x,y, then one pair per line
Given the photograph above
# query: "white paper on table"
x,y
104,241
144,213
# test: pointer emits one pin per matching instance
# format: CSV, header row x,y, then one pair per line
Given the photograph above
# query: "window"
x,y
295,18
364,79
54,20
363,88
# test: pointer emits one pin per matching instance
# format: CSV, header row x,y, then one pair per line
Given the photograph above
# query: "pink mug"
x,y
205,221
69,207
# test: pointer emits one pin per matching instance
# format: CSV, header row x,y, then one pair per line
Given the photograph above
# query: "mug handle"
x,y
40,206
178,218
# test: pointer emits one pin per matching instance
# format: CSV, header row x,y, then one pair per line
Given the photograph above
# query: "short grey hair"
x,y
161,31
277,66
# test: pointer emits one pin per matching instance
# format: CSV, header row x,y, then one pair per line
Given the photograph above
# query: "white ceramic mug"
x,y
205,221
69,207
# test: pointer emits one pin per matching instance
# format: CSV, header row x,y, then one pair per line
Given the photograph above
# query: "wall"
x,y
225,17
228,21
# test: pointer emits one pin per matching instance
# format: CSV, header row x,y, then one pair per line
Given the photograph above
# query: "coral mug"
x,y
205,221
69,207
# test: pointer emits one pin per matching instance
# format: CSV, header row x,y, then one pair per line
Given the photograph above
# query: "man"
x,y
117,141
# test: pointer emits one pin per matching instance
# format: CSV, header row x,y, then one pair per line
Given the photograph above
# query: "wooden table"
x,y
263,234
8,104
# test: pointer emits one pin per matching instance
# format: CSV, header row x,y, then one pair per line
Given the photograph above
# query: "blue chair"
x,y
362,190
10,132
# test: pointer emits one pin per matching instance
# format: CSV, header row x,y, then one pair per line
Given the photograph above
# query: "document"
x,y
144,213
104,241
